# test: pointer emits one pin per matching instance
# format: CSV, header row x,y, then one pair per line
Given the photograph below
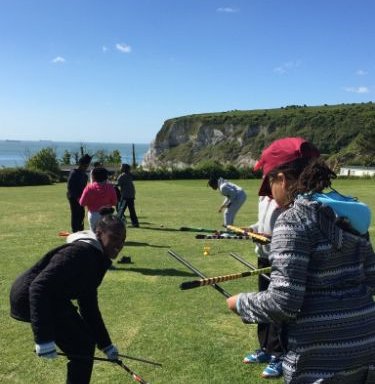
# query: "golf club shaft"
x,y
247,264
197,272
135,376
224,237
140,359
81,357
219,279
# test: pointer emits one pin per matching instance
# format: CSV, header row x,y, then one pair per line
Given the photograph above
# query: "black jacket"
x,y
72,271
77,181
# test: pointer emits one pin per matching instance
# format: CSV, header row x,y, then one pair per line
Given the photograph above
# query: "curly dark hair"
x,y
305,175
110,222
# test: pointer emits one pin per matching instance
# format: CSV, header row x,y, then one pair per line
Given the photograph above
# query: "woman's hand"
x,y
232,303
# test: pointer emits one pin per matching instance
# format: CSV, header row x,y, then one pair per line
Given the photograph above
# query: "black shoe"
x,y
125,260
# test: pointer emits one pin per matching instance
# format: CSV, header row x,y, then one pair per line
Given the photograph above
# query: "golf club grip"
x,y
220,279
260,238
247,264
198,272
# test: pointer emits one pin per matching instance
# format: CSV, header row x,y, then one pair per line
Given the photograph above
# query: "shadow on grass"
x,y
141,244
155,272
166,229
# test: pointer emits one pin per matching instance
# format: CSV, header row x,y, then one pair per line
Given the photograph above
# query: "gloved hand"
x,y
46,350
111,351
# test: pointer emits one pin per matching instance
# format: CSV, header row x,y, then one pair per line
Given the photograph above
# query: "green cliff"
x,y
344,134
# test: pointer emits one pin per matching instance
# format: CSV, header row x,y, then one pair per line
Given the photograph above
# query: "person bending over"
x,y
235,197
43,296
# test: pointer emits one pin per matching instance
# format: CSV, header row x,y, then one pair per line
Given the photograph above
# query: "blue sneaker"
x,y
274,368
259,356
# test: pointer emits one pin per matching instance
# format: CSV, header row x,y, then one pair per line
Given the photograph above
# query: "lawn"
x,y
191,332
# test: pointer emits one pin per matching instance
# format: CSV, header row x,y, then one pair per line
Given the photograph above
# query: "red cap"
x,y
280,152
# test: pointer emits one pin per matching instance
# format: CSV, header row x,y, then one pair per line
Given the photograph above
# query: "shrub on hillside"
x,y
13,177
45,160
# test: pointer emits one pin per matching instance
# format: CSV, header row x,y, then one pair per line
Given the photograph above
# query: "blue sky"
x,y
115,70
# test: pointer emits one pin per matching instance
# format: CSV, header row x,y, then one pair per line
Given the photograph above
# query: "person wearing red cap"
x,y
322,278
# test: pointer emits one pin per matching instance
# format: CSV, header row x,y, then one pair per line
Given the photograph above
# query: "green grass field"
x,y
191,332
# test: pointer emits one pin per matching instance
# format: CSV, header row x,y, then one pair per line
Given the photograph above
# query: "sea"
x,y
14,153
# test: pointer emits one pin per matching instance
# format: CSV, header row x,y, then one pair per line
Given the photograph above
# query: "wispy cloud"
x,y
58,60
227,10
124,48
104,49
287,67
361,89
361,72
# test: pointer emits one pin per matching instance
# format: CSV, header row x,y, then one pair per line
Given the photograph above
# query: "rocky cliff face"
x,y
185,142
341,132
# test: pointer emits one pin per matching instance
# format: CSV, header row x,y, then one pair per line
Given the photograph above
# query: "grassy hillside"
x,y
345,133
191,332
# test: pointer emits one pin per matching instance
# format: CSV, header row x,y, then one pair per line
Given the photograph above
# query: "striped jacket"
x,y
321,288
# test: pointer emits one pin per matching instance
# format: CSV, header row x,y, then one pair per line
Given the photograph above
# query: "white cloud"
x,y
361,89
104,49
227,10
287,67
58,60
124,48
361,72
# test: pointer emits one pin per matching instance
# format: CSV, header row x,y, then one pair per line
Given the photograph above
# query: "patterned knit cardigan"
x,y
321,288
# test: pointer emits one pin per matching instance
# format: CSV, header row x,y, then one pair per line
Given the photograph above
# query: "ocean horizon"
x,y
14,153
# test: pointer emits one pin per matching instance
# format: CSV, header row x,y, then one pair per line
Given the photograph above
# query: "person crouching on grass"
x,y
322,272
97,195
43,296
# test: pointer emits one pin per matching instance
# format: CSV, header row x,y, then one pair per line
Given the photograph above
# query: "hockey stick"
x,y
219,279
197,272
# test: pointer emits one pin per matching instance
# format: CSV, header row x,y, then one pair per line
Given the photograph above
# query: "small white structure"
x,y
354,170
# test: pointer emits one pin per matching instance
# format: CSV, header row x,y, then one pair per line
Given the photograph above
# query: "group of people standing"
x,y
99,194
315,314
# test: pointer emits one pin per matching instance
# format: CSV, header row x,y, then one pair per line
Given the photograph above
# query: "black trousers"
x,y
77,215
128,203
268,334
74,337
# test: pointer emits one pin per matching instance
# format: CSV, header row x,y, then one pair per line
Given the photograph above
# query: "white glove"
x,y
46,350
111,351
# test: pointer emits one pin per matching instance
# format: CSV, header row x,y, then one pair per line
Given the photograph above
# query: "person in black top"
x,y
126,185
77,181
43,296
